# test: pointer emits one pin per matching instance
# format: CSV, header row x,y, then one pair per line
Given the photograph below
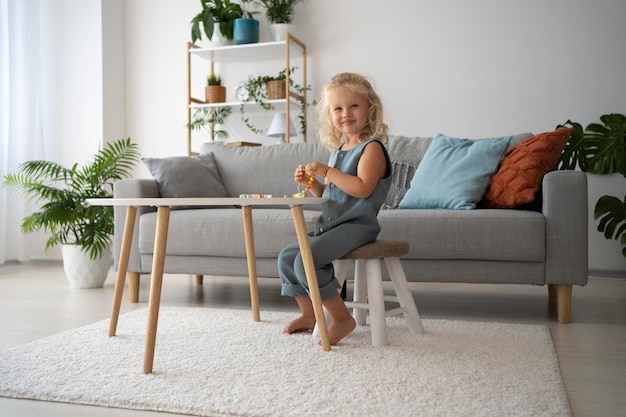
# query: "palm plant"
x,y
208,119
65,213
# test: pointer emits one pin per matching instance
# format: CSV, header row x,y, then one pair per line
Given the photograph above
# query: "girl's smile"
x,y
349,112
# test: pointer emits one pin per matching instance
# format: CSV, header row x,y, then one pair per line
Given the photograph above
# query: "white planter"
x,y
81,271
218,39
278,31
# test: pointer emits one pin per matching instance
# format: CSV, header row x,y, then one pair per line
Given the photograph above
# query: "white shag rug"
x,y
218,362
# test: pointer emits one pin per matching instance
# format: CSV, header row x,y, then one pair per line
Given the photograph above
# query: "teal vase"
x,y
246,31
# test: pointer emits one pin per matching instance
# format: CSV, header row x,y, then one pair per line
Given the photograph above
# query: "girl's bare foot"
x,y
338,329
301,324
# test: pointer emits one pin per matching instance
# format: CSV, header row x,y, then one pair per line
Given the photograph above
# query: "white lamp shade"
x,y
277,128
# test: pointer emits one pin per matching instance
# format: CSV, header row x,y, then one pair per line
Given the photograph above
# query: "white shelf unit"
x,y
254,52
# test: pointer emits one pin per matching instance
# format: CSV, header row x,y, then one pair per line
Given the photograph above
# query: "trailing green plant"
x,y
65,213
279,11
223,12
208,119
600,148
213,79
255,88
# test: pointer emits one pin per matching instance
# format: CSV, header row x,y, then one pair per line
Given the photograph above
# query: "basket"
x,y
215,93
275,90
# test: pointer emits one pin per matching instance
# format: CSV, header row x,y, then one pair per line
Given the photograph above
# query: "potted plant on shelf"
x,y
246,28
209,119
601,149
280,14
263,88
84,231
216,13
214,91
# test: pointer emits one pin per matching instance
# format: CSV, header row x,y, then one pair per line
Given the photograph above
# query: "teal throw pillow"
x,y
454,173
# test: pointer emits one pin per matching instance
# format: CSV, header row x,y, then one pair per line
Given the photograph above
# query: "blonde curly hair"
x,y
329,136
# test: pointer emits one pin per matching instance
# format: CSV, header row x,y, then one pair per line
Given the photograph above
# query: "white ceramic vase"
x,y
218,39
81,271
278,31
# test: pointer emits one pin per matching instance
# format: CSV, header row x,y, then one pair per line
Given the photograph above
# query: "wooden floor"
x,y
35,301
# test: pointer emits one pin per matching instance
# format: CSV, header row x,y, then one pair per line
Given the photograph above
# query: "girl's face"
x,y
349,111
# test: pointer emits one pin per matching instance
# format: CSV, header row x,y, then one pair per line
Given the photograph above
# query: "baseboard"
x,y
603,273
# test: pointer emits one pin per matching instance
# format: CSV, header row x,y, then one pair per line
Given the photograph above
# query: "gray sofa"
x,y
541,245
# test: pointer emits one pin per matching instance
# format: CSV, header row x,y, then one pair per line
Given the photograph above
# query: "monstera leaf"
x,y
599,149
612,214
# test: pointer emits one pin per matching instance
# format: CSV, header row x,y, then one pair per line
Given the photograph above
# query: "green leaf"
x,y
612,215
599,149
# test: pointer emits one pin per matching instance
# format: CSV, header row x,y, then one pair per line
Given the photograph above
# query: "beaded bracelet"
x,y
302,193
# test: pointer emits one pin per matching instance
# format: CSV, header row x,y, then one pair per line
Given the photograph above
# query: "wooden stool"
x,y
368,286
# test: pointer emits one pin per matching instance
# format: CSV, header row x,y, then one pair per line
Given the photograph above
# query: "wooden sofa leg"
x,y
199,279
563,302
133,286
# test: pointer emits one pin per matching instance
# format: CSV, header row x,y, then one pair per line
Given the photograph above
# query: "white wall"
x,y
470,69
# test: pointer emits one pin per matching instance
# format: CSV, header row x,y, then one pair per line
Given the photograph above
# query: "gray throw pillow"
x,y
183,176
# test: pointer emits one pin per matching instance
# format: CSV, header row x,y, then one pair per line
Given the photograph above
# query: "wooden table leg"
x,y
160,243
251,256
122,268
311,275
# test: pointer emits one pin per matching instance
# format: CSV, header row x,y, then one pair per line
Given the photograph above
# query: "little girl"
x,y
356,181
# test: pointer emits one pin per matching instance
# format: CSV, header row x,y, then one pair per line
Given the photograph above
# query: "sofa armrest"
x,y
565,209
131,188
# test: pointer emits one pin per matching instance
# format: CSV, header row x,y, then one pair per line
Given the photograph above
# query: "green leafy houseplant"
x,y
279,11
214,91
256,90
213,79
65,213
246,7
223,12
208,119
601,149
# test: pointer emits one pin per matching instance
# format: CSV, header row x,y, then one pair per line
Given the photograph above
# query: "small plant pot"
x,y
215,93
245,31
278,31
275,90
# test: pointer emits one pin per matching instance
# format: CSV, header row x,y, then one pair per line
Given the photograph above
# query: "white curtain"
x,y
21,137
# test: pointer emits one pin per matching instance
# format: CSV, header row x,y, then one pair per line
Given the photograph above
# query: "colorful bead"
x,y
302,193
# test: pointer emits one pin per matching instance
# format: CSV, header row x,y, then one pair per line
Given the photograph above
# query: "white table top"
x,y
205,201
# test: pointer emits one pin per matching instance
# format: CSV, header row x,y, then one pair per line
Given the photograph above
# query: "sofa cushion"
x,y
182,176
219,232
405,154
454,173
520,174
262,169
487,235
516,140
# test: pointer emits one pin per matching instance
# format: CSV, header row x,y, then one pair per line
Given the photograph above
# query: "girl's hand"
x,y
300,176
316,169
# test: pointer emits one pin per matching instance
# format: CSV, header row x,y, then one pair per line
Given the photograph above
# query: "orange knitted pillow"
x,y
520,173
